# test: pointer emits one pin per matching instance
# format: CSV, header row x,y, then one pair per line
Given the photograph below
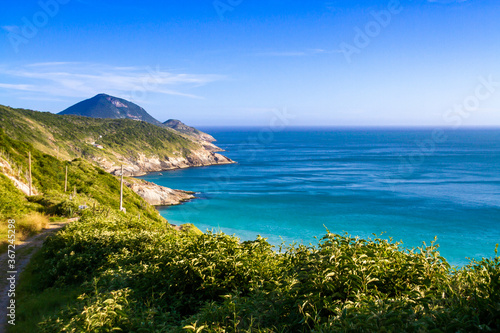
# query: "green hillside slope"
x,y
188,130
69,137
94,187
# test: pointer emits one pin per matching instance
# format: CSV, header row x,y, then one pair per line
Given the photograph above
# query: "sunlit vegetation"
x,y
68,137
133,275
94,188
132,272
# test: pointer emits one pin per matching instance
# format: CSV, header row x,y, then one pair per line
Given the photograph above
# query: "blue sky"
x,y
238,62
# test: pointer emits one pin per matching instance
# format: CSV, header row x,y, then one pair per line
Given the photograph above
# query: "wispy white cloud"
x,y
23,87
42,99
11,28
52,64
71,79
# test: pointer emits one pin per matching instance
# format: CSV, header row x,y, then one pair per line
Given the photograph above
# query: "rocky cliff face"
x,y
158,195
145,164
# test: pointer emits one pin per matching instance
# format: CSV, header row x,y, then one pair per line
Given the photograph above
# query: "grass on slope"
x,y
95,189
69,137
13,204
12,201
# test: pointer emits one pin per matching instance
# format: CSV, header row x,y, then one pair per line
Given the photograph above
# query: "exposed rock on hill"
x,y
158,195
106,106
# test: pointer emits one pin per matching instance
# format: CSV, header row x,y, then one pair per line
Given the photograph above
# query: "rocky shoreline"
x,y
157,195
143,165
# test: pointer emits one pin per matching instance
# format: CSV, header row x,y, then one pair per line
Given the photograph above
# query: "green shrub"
x,y
166,281
100,312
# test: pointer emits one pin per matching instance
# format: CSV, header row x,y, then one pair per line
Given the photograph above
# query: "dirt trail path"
x,y
24,251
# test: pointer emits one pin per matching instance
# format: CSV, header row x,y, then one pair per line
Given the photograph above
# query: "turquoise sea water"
x,y
291,185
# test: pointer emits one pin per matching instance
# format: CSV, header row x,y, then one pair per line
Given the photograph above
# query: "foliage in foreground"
x,y
144,277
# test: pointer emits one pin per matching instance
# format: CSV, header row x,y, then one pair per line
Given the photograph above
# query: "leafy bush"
x,y
147,277
94,313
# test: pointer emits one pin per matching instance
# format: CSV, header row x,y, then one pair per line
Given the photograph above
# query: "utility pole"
x,y
29,162
66,180
121,191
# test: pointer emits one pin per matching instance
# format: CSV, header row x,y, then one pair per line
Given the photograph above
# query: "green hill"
x,y
70,136
106,106
108,142
94,187
188,130
110,107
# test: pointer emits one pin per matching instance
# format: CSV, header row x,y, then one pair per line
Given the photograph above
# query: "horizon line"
x,y
447,127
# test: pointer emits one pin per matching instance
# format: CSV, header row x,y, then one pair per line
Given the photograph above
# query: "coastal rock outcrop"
x,y
142,164
157,195
179,126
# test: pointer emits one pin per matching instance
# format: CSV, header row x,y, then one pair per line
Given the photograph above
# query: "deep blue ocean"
x,y
290,186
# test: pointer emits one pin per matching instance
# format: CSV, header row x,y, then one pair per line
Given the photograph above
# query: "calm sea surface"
x,y
293,185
